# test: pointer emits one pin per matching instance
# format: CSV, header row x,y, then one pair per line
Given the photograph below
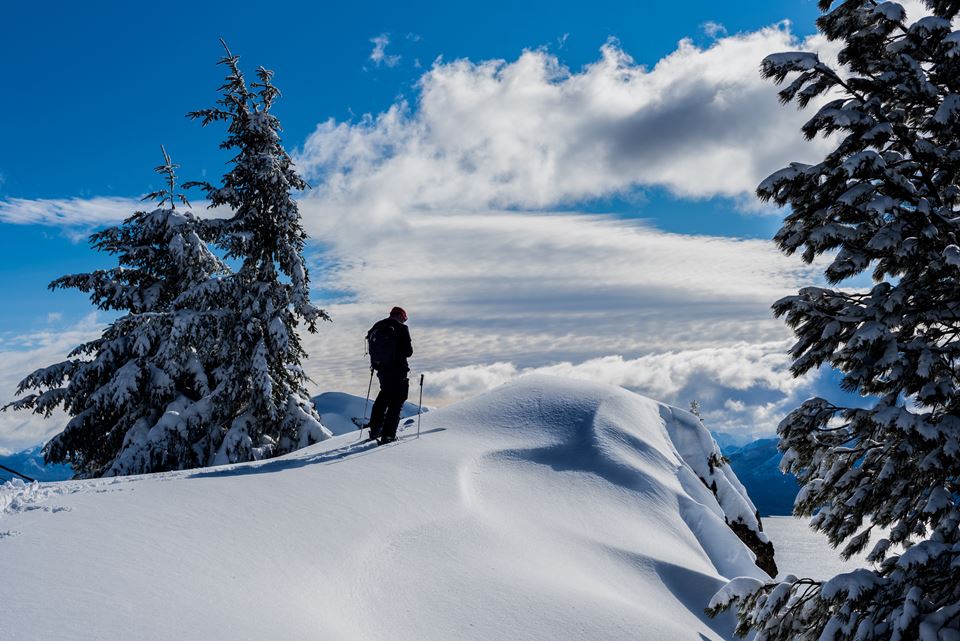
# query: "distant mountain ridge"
x,y
757,465
30,462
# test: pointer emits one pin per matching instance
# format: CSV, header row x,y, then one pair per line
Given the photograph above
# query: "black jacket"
x,y
404,344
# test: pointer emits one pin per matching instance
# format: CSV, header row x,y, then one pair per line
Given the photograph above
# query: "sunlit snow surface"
x,y
806,553
546,509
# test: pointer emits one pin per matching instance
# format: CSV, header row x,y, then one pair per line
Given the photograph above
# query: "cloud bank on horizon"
x,y
462,206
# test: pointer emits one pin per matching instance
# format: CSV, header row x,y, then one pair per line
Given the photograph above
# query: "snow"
x,y
696,446
546,509
738,588
806,553
947,110
891,11
930,24
337,410
792,60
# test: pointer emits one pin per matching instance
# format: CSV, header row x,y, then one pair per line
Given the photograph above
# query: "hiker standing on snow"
x,y
389,345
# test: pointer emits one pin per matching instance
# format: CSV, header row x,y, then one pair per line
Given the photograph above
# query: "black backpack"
x,y
382,346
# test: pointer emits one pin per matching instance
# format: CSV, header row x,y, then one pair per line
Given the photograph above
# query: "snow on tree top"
x,y
891,11
792,60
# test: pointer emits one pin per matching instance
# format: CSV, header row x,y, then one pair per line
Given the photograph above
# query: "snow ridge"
x,y
545,509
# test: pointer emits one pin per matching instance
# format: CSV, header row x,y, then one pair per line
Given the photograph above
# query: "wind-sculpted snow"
x,y
546,509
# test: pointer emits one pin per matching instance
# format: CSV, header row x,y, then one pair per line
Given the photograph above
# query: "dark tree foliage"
x,y
260,383
204,365
119,389
884,202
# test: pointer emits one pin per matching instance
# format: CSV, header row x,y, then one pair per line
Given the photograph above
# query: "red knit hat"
x,y
399,313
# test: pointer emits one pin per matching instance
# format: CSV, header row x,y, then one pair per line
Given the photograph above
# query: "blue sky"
x,y
102,85
98,85
384,105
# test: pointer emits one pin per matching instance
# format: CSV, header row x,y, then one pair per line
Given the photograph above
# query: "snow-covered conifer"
x,y
885,200
126,391
260,390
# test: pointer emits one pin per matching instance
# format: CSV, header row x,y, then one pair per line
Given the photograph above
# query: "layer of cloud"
x,y
67,212
744,388
669,376
495,295
532,134
77,217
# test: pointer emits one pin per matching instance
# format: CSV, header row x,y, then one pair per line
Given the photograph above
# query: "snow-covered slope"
x,y
547,509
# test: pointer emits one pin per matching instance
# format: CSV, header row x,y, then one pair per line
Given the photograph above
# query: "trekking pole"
x,y
420,406
23,476
367,401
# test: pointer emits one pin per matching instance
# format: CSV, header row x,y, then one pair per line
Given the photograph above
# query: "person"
x,y
389,346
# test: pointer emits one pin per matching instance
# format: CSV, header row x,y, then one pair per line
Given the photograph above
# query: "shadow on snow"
x,y
352,450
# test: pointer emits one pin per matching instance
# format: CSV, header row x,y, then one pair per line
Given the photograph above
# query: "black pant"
x,y
385,415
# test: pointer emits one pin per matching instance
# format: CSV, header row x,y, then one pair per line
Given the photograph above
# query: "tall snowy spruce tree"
x,y
885,200
260,390
131,393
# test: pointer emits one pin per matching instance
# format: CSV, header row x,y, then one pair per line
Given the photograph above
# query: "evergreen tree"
x,y
886,200
129,391
260,385
695,408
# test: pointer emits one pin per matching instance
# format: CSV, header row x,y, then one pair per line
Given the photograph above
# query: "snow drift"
x,y
546,509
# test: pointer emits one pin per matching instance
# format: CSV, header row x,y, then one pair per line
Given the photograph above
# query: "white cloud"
x,y
667,376
379,54
67,212
714,29
758,374
493,295
22,354
77,217
532,134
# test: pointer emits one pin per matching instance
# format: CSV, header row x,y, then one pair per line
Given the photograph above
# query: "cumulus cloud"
x,y
533,134
379,55
743,388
